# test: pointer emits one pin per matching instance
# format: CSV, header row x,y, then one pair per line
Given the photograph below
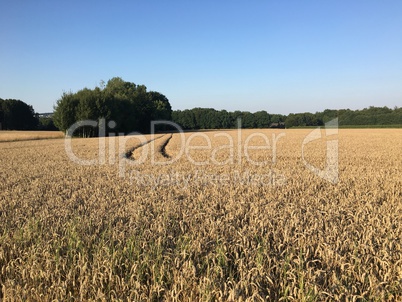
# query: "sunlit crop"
x,y
203,222
28,135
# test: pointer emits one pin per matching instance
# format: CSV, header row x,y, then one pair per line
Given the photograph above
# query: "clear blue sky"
x,y
280,56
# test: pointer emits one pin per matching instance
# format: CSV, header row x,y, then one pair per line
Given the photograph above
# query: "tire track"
x,y
162,148
130,152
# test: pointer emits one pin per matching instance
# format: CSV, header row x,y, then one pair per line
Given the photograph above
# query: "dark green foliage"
x,y
46,124
303,119
66,111
372,116
208,118
262,119
17,115
185,119
128,104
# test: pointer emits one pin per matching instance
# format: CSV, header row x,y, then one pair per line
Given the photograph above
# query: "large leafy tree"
x,y
17,115
130,106
262,119
65,111
161,106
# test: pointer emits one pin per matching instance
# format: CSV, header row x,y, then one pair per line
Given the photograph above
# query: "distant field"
x,y
203,216
393,126
371,126
11,136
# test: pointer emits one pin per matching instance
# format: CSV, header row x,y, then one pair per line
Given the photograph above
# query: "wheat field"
x,y
9,136
203,216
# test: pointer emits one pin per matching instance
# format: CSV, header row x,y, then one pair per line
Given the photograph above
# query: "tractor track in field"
x,y
162,148
129,154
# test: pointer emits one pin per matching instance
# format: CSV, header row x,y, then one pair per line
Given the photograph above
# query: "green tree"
x,y
292,120
17,115
128,104
161,106
248,120
46,124
65,111
161,109
262,119
225,120
187,119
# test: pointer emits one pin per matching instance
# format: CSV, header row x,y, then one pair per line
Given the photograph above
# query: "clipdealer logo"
x,y
331,169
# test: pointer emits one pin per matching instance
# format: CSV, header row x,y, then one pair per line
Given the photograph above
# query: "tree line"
x,y
372,116
132,108
208,118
